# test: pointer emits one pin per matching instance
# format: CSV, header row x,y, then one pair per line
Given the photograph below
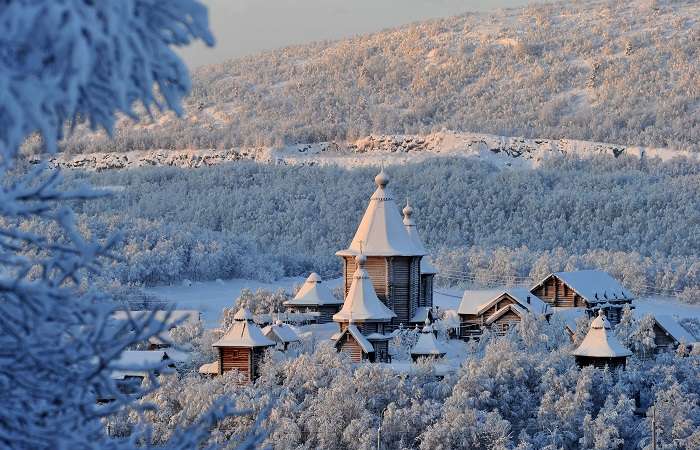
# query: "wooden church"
x,y
396,262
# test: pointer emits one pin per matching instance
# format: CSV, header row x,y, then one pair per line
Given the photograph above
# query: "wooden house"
x,y
364,320
282,334
497,310
600,347
393,260
242,347
669,334
427,345
590,289
314,297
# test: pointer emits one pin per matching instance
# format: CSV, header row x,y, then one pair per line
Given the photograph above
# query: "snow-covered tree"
x,y
79,62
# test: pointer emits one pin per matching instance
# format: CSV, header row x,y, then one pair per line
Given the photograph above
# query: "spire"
x,y
244,333
427,345
313,292
381,231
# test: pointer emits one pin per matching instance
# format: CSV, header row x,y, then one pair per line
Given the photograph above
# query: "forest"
x,y
607,71
521,391
640,222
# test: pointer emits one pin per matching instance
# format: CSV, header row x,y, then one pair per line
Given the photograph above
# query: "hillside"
x,y
608,71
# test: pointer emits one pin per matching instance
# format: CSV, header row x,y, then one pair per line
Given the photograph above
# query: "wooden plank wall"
x,y
426,286
414,286
376,267
235,359
400,288
350,346
662,340
557,293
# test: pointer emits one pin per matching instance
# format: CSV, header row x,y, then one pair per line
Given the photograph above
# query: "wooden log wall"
x,y
235,359
557,293
350,346
400,288
376,267
426,286
414,286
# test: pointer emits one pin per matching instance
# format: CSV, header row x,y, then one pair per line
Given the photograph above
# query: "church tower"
x,y
393,260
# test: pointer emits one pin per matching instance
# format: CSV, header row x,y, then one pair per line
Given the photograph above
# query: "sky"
x,y
244,27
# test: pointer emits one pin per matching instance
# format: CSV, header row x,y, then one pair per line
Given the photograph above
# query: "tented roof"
x,y
244,333
381,231
594,286
313,293
427,345
600,342
361,303
284,332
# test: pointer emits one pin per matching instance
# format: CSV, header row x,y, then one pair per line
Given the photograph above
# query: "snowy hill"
x,y
608,71
374,150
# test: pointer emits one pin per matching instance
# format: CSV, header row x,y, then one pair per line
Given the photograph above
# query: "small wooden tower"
x,y
600,347
364,320
427,346
243,346
281,333
393,261
427,270
314,297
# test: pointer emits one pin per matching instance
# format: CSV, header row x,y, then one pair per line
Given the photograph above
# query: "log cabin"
x,y
589,289
314,297
242,347
497,310
669,334
393,256
364,320
600,347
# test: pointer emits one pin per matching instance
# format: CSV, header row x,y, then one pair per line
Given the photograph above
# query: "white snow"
x,y
362,303
314,292
600,341
381,231
595,286
282,331
427,344
244,333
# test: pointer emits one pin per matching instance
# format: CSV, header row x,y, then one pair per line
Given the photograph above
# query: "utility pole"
x,y
379,436
653,427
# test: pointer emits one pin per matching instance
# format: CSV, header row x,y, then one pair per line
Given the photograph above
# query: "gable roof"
x,y
381,231
511,307
366,345
313,292
477,303
282,331
675,329
427,345
244,333
600,342
594,286
421,314
361,303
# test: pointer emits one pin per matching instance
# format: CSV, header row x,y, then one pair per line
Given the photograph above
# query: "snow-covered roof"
x,y
313,292
427,267
595,286
427,345
421,314
381,231
211,368
511,307
378,337
137,363
675,329
569,315
244,333
361,303
600,342
282,331
476,302
366,345
169,317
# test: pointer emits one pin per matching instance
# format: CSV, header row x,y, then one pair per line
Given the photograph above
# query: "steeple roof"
x,y
381,231
426,267
244,333
313,292
427,345
600,342
362,304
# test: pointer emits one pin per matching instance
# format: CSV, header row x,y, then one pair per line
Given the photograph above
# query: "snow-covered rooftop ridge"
x,y
600,342
427,344
381,231
366,345
244,333
675,329
595,286
313,293
282,331
361,303
476,302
